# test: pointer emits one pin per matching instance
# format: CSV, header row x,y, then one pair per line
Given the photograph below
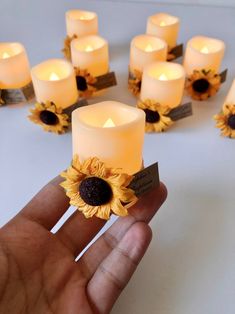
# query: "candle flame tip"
x,y
89,48
5,55
205,49
149,48
109,123
163,77
162,23
54,77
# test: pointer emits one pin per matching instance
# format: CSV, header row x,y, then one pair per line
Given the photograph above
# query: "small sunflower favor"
x,y
97,190
50,117
67,50
225,121
157,119
134,82
85,82
203,84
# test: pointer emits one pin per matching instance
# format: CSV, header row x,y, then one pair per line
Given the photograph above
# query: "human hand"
x,y
38,271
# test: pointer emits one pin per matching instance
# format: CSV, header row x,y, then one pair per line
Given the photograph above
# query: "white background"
x,y
190,266
224,3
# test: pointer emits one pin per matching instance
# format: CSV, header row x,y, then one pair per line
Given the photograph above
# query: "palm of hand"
x,y
38,270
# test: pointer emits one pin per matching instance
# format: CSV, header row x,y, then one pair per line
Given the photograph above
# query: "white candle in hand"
x,y
90,53
164,26
81,23
203,53
146,49
111,131
54,80
14,66
163,82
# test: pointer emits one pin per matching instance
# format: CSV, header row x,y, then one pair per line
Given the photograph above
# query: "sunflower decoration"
x,y
97,190
203,84
134,82
157,119
85,82
66,50
51,118
226,120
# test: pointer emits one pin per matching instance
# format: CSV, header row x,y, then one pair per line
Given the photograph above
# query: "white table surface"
x,y
190,266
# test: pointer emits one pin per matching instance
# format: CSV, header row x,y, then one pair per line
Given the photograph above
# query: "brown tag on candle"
x,y
223,76
176,52
18,95
181,112
105,81
80,103
145,180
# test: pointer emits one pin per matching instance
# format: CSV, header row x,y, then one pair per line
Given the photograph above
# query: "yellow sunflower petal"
x,y
118,209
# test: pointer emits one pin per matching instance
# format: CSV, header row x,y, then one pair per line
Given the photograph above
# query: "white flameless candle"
x,y
14,66
230,99
90,53
81,23
146,49
164,26
54,80
163,82
111,131
203,53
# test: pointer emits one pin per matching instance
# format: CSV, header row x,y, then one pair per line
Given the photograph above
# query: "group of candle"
x,y
164,81
55,81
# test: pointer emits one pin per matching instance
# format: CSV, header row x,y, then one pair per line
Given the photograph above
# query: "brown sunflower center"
x,y
231,121
151,116
95,191
201,85
81,83
48,117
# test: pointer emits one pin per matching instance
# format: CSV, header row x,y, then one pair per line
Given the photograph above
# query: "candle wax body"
x,y
146,49
62,90
119,146
164,26
203,53
14,66
81,23
230,99
167,92
90,53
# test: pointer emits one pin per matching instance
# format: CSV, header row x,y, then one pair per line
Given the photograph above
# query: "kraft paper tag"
x,y
145,180
15,96
177,51
181,112
105,81
223,76
78,104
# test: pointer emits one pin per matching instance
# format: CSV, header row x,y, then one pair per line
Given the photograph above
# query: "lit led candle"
x,y
146,49
14,66
203,53
163,82
90,53
111,131
164,26
54,80
81,23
